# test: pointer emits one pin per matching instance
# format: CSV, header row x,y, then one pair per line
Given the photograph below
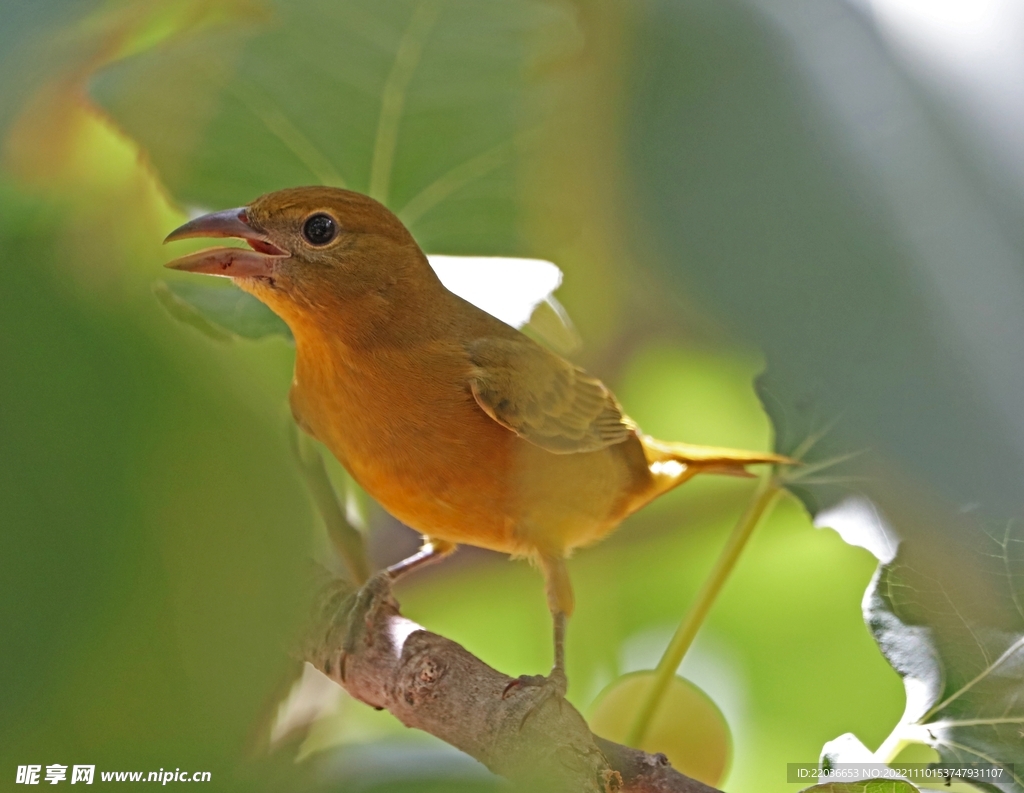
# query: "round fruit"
x,y
687,727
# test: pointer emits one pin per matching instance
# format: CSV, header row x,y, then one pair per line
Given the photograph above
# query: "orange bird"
x,y
462,427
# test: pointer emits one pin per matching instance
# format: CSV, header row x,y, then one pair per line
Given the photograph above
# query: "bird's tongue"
x,y
264,247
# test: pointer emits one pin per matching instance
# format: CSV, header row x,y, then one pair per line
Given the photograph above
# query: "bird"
x,y
460,426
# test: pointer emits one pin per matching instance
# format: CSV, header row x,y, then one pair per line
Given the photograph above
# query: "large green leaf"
x,y
959,650
133,540
38,42
222,313
869,267
792,181
427,105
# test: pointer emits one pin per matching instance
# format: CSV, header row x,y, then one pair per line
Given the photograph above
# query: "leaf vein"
x,y
407,59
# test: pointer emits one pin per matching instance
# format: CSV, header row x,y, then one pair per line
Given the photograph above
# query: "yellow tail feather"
x,y
671,464
706,457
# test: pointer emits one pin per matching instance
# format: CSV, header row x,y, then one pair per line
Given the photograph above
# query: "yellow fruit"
x,y
688,727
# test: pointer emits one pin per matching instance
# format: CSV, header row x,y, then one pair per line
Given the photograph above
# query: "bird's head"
x,y
314,252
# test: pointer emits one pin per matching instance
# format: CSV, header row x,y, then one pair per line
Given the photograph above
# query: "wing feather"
x,y
544,398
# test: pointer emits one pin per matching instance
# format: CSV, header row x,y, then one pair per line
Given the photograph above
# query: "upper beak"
x,y
230,262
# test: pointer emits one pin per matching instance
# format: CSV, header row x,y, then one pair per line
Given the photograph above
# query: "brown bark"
x,y
526,734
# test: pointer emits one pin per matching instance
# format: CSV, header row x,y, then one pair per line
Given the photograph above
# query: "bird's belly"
x,y
443,467
518,508
454,498
439,471
571,500
523,501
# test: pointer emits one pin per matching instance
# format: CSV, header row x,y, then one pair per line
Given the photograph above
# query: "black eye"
x,y
320,229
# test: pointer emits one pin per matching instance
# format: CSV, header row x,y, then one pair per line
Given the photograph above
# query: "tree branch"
x,y
526,734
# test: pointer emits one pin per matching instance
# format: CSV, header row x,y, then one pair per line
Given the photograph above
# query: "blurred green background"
x,y
719,182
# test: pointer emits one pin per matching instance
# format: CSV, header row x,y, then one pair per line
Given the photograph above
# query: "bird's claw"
x,y
555,683
360,616
551,686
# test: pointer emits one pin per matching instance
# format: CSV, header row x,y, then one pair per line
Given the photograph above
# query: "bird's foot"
x,y
364,604
556,683
552,686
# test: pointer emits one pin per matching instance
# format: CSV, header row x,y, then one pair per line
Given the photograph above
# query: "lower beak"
x,y
262,260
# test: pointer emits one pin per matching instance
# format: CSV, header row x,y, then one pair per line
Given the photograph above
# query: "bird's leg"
x,y
560,602
558,670
432,551
378,588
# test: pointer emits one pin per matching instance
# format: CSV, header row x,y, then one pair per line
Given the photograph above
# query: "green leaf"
x,y
108,428
427,106
39,41
872,264
960,651
221,312
872,786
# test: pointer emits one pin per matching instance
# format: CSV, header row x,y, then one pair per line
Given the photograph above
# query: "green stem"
x,y
892,746
765,495
347,541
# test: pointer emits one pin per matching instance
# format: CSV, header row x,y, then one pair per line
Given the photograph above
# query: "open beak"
x,y
228,262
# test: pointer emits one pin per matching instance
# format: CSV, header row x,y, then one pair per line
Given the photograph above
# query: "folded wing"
x,y
543,398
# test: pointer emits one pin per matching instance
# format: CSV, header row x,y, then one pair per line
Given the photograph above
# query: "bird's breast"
x,y
406,426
